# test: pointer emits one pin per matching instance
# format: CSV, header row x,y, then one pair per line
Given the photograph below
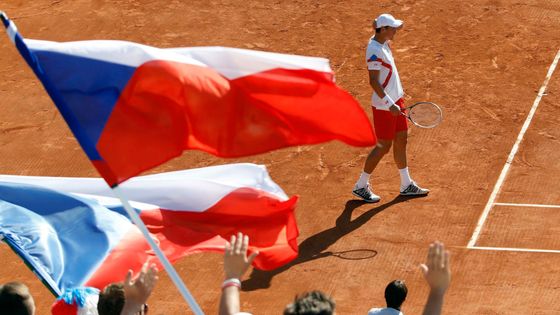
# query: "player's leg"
x,y
408,186
383,147
399,149
384,124
362,189
399,154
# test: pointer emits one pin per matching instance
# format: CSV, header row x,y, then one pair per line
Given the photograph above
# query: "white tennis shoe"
x,y
366,194
414,190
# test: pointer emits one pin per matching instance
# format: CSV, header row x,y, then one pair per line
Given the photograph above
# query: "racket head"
x,y
424,114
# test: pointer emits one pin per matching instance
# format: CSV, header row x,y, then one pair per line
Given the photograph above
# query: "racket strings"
x,y
425,115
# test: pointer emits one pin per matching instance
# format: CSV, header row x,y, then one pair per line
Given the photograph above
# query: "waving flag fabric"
x,y
77,301
74,234
133,107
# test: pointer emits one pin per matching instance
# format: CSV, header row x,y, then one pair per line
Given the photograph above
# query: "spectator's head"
x,y
15,299
311,303
111,300
395,294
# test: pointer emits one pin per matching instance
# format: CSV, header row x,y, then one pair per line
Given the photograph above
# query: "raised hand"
x,y
138,290
236,264
236,261
437,273
437,270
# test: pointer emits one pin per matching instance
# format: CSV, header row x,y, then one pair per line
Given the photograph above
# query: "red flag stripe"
x,y
168,107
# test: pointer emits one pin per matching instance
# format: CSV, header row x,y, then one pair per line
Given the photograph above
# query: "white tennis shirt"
x,y
379,57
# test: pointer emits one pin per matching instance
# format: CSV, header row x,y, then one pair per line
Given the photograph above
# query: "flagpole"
x,y
165,262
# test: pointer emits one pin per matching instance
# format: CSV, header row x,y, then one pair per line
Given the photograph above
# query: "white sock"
x,y
363,181
405,178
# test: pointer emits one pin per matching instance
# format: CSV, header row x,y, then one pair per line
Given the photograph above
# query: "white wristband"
x,y
231,282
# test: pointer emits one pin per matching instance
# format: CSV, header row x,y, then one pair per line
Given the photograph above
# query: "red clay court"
x,y
492,165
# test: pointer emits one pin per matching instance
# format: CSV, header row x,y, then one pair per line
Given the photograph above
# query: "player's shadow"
x,y
314,247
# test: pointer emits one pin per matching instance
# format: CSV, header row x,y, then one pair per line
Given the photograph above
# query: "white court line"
x,y
511,156
528,205
511,249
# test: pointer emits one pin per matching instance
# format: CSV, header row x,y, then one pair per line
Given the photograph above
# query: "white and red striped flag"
x,y
133,107
186,212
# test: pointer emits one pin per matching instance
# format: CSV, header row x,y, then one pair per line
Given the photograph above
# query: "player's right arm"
x,y
376,86
374,83
374,64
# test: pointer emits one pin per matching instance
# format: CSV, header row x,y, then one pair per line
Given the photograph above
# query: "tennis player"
x,y
390,126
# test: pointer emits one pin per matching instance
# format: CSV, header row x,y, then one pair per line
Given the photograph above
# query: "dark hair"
x,y
111,300
377,29
311,303
395,294
15,299
374,24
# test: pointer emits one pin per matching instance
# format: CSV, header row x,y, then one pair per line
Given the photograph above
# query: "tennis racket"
x,y
355,254
424,114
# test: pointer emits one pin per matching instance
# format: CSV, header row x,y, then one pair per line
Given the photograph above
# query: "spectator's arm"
x,y
236,264
438,275
137,291
229,302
